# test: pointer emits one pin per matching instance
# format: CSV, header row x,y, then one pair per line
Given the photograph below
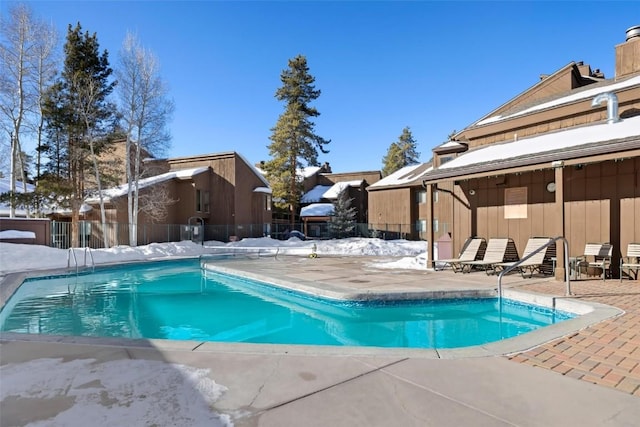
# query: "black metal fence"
x,y
93,233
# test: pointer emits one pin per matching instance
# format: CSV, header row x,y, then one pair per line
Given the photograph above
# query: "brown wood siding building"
x,y
231,185
224,191
356,190
398,208
358,194
553,161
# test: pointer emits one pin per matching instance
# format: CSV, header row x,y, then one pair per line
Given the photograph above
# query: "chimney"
x,y
628,54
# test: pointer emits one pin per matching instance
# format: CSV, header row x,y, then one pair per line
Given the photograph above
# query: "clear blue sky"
x,y
381,66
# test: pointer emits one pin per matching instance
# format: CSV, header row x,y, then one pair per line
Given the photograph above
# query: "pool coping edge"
x,y
589,313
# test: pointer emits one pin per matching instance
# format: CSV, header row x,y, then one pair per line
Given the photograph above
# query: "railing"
x,y
259,251
72,253
543,247
226,251
92,233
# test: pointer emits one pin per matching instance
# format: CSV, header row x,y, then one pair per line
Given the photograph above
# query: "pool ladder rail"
x,y
71,255
541,248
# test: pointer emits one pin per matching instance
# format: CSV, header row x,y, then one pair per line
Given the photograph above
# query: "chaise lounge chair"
x,y
631,262
600,254
532,261
495,253
473,246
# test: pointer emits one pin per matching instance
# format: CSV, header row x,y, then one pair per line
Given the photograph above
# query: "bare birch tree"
x,y
27,68
16,66
89,93
46,68
145,110
156,201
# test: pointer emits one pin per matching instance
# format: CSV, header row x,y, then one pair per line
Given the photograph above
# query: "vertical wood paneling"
x,y
628,221
592,218
636,215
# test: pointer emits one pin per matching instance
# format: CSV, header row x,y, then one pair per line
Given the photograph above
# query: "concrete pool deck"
x,y
590,376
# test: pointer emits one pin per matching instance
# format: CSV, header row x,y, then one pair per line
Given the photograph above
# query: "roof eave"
x,y
589,153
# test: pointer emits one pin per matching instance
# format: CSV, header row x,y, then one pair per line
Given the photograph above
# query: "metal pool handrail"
x,y
75,259
545,246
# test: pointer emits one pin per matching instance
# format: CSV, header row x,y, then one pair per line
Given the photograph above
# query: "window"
x,y
421,197
436,226
205,201
267,202
421,225
202,201
435,196
445,159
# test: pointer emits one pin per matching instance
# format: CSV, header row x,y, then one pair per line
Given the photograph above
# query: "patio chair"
x,y
631,262
495,253
532,261
596,255
473,247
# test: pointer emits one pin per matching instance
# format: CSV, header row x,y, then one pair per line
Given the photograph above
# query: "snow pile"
x,y
20,257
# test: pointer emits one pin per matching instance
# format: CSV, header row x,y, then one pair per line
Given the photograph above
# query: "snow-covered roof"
x,y
553,141
121,190
315,194
265,190
52,208
5,187
84,208
337,188
259,172
578,96
451,144
301,173
403,176
330,192
308,171
317,209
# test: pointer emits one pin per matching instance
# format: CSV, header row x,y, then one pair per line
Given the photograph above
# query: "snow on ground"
x,y
118,392
20,257
16,234
140,392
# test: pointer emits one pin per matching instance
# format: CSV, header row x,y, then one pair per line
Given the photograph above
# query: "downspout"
x,y
612,105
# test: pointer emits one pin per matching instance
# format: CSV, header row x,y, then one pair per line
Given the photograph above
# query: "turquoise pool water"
x,y
177,301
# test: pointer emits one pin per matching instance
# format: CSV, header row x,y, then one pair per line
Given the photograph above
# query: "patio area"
x,y
588,377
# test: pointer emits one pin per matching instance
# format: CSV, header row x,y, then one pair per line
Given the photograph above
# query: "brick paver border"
x,y
607,353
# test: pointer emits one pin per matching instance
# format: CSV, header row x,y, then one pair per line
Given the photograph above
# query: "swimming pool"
x,y
176,300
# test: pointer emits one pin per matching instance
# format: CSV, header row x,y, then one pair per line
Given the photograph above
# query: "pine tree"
x,y
78,118
343,221
401,153
294,143
391,162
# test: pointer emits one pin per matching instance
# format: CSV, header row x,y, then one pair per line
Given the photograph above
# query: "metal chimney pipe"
x,y
612,105
633,32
